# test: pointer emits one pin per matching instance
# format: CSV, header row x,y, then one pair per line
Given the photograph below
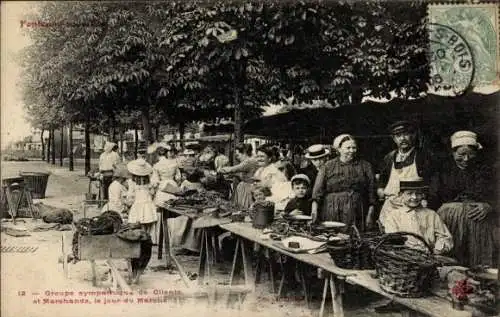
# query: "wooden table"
x,y
432,306
207,250
334,280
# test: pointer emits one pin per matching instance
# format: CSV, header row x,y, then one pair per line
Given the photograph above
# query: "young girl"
x,y
120,198
143,210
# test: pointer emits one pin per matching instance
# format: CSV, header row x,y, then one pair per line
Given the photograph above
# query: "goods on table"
x,y
404,271
264,214
203,200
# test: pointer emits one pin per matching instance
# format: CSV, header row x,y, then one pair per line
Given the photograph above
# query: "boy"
x,y
409,215
301,203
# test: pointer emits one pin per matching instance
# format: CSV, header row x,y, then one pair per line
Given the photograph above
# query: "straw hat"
x,y
139,167
416,183
316,151
460,138
108,146
152,148
121,170
164,145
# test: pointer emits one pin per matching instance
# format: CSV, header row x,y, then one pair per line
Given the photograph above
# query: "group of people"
x,y
449,202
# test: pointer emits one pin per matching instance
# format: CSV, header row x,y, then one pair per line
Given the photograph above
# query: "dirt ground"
x,y
29,277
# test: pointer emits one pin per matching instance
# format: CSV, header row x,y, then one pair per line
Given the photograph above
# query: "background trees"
x,y
134,64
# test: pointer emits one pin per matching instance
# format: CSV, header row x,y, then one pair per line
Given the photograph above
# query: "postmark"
x,y
452,62
478,25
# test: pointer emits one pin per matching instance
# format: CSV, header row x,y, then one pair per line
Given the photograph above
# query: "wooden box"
x,y
107,247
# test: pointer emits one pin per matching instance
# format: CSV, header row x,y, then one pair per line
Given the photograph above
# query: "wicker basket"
x,y
355,253
404,271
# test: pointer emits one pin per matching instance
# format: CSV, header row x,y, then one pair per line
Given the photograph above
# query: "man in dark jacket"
x,y
317,155
406,162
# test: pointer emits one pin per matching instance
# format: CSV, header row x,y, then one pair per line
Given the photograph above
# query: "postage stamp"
x,y
477,26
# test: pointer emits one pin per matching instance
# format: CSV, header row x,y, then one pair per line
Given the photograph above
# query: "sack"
x,y
55,215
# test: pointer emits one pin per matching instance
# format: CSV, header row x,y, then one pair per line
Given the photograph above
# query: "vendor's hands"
x,y
380,193
314,211
296,212
478,213
370,218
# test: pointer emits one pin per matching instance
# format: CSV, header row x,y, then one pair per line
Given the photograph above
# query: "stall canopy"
x,y
441,115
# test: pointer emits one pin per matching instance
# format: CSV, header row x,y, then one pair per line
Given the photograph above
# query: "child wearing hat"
x,y
120,198
143,210
409,215
301,203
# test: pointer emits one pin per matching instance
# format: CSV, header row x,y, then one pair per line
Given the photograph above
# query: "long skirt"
x,y
243,195
473,241
346,207
183,235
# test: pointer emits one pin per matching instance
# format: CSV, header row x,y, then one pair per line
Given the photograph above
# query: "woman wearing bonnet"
x,y
463,191
344,188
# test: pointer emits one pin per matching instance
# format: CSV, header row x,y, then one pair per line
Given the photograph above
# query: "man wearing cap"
x,y
317,155
407,161
409,215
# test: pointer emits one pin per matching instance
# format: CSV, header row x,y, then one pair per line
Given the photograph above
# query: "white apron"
x,y
392,188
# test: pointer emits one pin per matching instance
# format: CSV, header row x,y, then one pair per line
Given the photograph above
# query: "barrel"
x,y
36,182
264,215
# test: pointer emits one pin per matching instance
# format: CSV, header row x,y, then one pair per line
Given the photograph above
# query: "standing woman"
x,y
344,187
464,187
246,170
143,209
165,171
268,174
107,162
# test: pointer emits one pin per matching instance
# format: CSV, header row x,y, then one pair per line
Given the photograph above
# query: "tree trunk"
x,y
70,147
43,144
136,149
237,116
121,142
61,150
53,153
182,129
49,144
146,125
87,145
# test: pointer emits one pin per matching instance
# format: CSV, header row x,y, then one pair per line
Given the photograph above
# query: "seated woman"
x,y
463,191
408,215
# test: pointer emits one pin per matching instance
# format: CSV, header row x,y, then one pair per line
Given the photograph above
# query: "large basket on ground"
x,y
404,271
356,252
36,182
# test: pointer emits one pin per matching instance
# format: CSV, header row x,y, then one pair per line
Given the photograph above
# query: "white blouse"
x,y
108,160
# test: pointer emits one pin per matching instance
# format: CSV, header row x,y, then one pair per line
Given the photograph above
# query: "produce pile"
x,y
203,200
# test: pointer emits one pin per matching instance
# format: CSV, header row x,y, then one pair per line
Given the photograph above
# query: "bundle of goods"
x,y
107,223
263,214
199,200
401,270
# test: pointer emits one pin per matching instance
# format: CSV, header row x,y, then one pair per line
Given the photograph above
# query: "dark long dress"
x,y
457,191
344,191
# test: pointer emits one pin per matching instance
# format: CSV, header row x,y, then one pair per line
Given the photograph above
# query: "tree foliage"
x,y
137,63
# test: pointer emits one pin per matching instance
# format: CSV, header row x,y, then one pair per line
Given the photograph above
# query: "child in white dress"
x,y
143,210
